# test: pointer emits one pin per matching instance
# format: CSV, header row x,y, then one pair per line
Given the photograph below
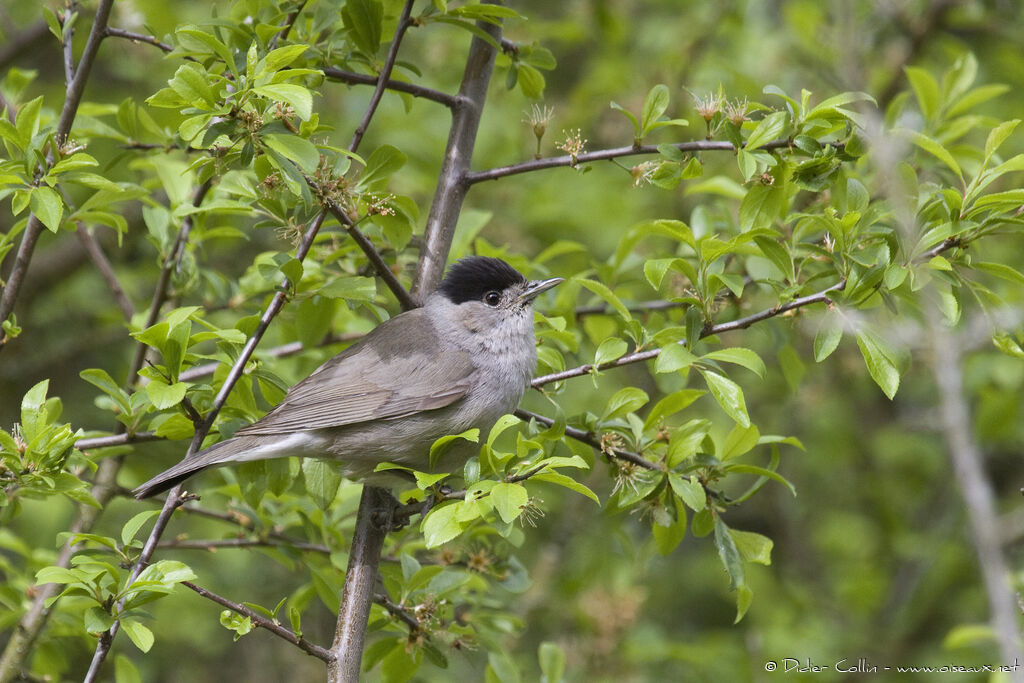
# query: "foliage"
x,y
739,232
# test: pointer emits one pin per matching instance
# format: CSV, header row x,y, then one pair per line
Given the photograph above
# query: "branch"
x,y
590,439
289,22
379,265
138,38
398,611
385,75
213,544
373,521
260,620
72,100
116,440
420,91
99,259
639,307
283,351
452,181
607,155
979,499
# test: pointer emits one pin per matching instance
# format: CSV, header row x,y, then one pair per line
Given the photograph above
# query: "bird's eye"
x,y
492,298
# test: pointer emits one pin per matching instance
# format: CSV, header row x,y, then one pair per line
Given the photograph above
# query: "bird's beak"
x,y
535,287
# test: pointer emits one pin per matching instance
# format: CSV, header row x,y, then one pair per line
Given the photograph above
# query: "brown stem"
x,y
72,100
373,521
99,259
260,620
420,91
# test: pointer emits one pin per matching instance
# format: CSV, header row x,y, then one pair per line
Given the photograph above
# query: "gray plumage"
x,y
461,361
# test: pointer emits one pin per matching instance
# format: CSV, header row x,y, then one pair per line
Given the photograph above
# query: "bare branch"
x,y
607,155
116,440
639,307
212,544
283,351
138,38
420,91
385,75
73,98
260,620
396,610
373,521
102,264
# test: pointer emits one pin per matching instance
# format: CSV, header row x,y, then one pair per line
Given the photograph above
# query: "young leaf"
x,y
729,396
509,500
880,363
729,554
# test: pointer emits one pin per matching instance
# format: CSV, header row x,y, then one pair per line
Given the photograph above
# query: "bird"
x,y
460,361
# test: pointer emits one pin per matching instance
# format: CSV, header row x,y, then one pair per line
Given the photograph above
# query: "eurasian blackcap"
x,y
460,361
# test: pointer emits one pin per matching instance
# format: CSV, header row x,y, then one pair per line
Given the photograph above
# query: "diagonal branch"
x,y
263,622
72,100
102,263
138,38
385,75
591,440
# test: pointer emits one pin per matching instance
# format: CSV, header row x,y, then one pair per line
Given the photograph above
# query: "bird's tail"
x,y
217,454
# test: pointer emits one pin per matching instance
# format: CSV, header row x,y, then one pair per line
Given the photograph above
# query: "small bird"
x,y
460,361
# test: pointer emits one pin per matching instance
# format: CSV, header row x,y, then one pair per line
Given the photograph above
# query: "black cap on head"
x,y
470,278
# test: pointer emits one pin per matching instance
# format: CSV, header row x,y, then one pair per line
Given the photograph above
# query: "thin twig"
x,y
607,155
385,75
379,265
289,22
283,351
649,354
138,38
639,307
398,611
420,91
591,440
211,544
116,440
263,622
99,259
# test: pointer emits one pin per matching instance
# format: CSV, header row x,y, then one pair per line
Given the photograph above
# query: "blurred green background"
x,y
872,559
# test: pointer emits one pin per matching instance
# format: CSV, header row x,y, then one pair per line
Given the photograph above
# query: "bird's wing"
x,y
389,374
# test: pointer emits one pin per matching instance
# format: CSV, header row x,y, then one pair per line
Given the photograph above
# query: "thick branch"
x,y
72,100
452,182
260,620
373,521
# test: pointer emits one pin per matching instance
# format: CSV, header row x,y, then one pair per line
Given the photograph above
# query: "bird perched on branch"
x,y
460,361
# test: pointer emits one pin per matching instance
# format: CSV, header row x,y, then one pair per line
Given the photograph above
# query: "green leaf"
x,y
830,332
138,633
610,349
531,81
729,396
552,662
762,472
739,441
655,105
322,481
935,149
609,297
133,525
671,404
509,500
777,254
283,56
102,380
880,363
47,206
997,136
354,288
625,400
729,554
768,129
300,98
689,490
566,481
926,90
667,538
440,525
672,358
364,21
380,166
438,448
164,395
739,356
1001,270
637,129
753,547
192,83
761,206
303,152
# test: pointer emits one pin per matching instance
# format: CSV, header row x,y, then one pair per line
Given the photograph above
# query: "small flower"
x,y
737,111
532,511
574,144
708,106
380,205
642,173
538,118
479,561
